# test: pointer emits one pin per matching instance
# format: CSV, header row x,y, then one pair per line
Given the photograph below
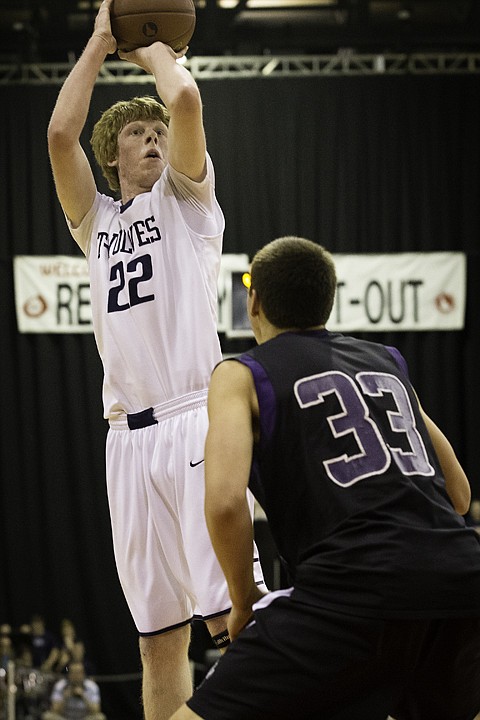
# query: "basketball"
x,y
138,23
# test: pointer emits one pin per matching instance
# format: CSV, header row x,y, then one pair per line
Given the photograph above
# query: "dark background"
x,y
53,30
359,164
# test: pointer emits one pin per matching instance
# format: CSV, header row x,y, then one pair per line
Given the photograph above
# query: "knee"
x,y
160,648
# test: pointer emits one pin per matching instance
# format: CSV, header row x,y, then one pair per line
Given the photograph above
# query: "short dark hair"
x,y
295,280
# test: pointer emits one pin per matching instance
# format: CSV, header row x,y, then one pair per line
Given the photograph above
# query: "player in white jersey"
x,y
153,258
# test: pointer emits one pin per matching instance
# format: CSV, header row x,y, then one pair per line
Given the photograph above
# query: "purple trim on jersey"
x,y
265,394
398,357
314,333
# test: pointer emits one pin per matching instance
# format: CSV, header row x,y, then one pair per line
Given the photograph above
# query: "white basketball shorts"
x,y
155,483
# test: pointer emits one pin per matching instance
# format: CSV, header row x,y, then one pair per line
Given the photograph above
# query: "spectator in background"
x,y
42,643
71,649
75,697
5,629
7,651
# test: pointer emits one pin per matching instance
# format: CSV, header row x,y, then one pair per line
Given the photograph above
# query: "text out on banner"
x,y
378,293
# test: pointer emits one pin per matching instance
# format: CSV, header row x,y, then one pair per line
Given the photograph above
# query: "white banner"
x,y
398,291
52,294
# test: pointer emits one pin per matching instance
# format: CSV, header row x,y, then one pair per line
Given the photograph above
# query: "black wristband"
x,y
221,640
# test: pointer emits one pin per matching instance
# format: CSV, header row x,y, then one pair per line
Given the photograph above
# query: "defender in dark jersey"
x,y
364,497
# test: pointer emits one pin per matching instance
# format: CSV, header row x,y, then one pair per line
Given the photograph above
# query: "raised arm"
x,y
74,180
179,92
228,456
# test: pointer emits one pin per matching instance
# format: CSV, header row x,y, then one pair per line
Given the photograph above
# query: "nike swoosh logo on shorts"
x,y
192,464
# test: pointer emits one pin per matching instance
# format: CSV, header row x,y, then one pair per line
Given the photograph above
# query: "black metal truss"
x,y
261,66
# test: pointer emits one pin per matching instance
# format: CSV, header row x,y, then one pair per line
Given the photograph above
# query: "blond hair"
x,y
104,140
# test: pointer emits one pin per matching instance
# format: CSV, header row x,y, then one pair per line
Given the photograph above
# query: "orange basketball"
x,y
138,23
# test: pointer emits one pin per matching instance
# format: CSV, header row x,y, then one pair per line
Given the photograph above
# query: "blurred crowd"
x,y
50,673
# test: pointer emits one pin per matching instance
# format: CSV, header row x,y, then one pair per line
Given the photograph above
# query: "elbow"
x,y
460,498
462,505
187,101
220,512
58,136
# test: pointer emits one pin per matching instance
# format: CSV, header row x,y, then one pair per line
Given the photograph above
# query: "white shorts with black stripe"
x,y
155,483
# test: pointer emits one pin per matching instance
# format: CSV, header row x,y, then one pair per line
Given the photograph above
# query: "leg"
x,y
298,661
167,679
216,626
445,682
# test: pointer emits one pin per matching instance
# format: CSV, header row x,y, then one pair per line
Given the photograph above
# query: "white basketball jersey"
x,y
153,277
